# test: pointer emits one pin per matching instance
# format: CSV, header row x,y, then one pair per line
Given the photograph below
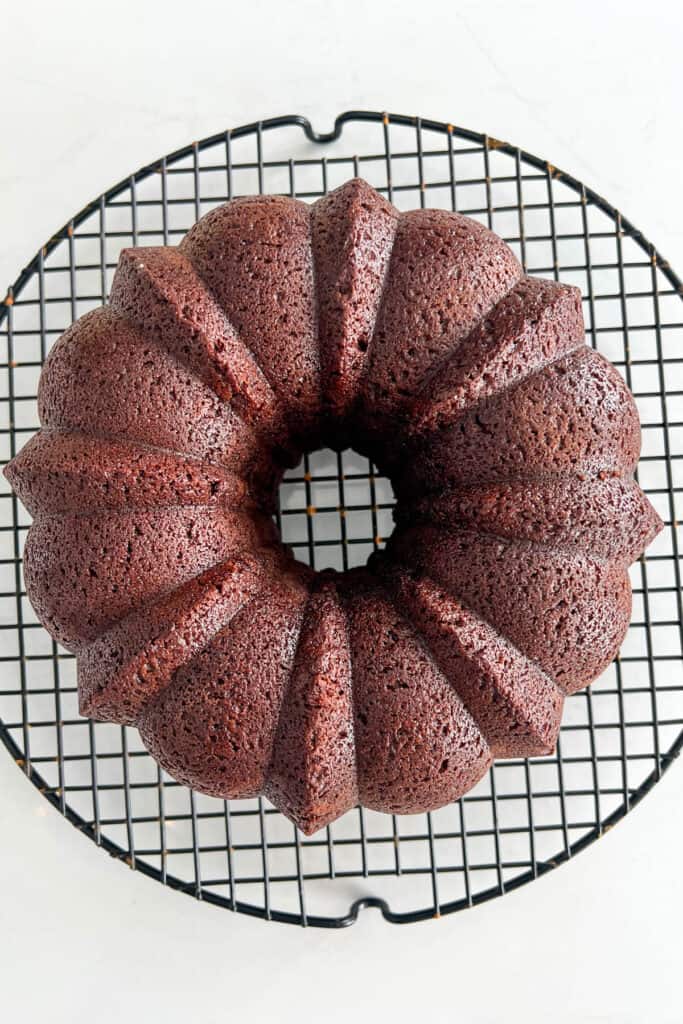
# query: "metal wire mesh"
x,y
526,816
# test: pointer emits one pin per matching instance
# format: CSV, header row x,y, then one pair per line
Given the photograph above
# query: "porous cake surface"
x,y
167,420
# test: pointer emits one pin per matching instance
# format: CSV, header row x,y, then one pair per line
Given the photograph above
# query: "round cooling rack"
x,y
526,816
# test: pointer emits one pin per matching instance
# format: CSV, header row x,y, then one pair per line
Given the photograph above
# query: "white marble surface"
x,y
89,92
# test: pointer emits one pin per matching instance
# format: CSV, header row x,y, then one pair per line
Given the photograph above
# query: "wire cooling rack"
x,y
526,816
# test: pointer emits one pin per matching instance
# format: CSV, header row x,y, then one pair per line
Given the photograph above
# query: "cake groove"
x,y
446,272
131,663
312,776
516,705
534,324
60,472
566,611
353,232
159,290
256,257
407,714
609,518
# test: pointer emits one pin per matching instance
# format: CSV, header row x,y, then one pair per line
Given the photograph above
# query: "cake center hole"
x,y
335,509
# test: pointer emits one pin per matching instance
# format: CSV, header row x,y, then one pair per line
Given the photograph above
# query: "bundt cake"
x,y
274,328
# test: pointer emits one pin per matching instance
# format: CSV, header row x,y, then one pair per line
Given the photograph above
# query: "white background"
x,y
90,91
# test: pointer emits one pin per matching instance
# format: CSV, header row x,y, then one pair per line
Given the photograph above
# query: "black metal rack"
x,y
525,817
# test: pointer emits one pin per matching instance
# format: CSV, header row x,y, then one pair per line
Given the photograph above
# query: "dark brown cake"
x,y
168,418
447,272
213,726
563,609
353,235
516,706
312,775
417,746
255,255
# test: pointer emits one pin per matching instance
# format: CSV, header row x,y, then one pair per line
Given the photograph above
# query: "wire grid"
x,y
526,816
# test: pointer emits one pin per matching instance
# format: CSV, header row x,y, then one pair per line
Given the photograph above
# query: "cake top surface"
x,y
167,420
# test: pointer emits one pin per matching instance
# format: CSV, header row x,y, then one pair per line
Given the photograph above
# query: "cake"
x,y
168,418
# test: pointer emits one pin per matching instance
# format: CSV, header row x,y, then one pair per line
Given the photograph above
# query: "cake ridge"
x,y
131,511
352,681
482,400
378,312
328,784
106,436
248,396
439,509
90,483
526,623
117,561
186,365
286,687
341,280
575,415
213,727
144,446
419,596
167,633
451,735
66,404
455,529
471,235
428,412
296,383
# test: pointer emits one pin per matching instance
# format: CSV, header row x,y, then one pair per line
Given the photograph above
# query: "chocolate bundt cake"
x,y
276,327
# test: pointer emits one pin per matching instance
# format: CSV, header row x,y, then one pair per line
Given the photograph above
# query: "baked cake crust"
x,y
167,420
